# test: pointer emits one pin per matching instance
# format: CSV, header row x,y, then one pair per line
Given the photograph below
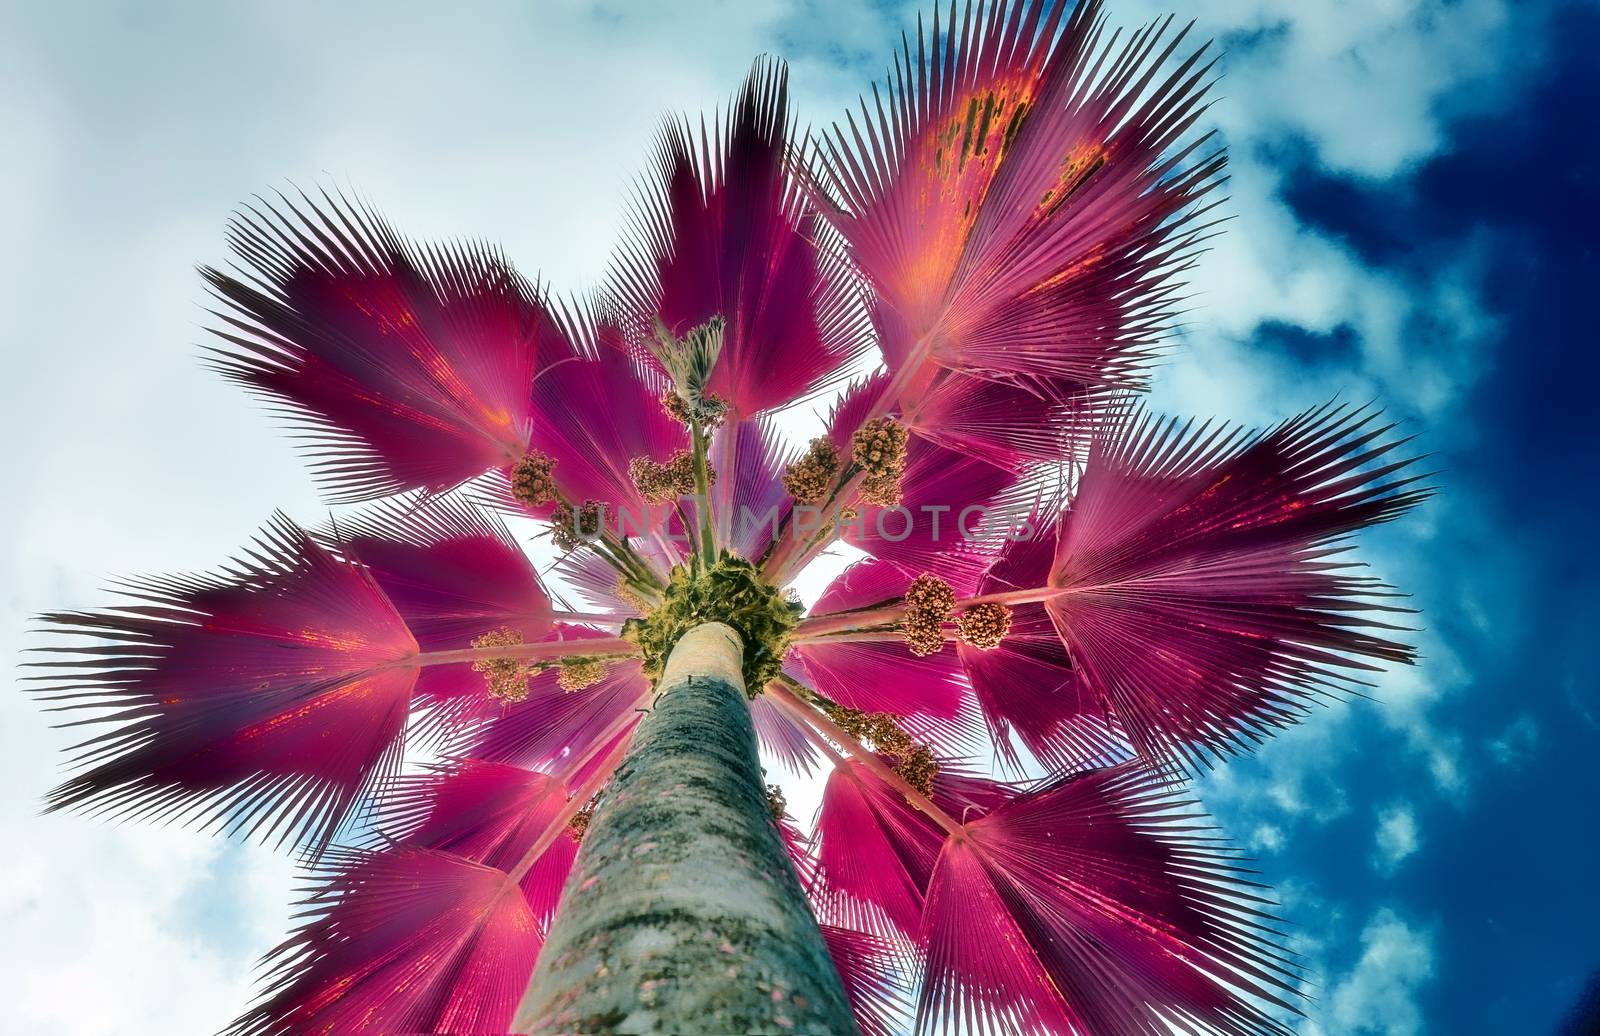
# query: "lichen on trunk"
x,y
683,913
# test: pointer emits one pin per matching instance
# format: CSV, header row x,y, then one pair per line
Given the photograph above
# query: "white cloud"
x,y
1516,743
1361,81
1378,995
120,927
1397,837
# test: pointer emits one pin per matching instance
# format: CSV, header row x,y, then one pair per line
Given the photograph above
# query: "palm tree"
x,y
520,815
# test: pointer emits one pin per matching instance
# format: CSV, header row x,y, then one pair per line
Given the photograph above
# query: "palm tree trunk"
x,y
683,913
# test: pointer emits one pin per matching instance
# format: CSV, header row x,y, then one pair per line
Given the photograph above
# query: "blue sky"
x,y
1499,878
1414,196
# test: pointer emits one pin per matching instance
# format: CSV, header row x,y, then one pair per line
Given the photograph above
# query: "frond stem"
x,y
791,696
866,618
600,647
702,493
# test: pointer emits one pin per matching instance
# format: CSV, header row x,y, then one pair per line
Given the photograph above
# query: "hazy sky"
x,y
1423,844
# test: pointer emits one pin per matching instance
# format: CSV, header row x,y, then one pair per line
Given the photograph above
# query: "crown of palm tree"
x,y
993,250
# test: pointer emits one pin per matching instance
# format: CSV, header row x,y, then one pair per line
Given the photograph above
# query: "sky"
x,y
1414,214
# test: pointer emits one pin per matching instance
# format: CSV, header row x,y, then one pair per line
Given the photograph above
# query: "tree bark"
x,y
683,913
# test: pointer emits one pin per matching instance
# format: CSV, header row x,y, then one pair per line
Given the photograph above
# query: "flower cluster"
x,y
578,826
507,677
777,804
984,626
659,483
532,480
575,674
571,528
809,478
929,601
913,761
879,448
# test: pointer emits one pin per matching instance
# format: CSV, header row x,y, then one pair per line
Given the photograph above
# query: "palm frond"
x,y
1203,597
399,366
265,698
404,940
1098,903
721,229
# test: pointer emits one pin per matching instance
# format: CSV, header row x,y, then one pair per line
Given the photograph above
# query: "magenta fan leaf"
x,y
753,502
265,698
596,411
946,498
874,847
403,366
1200,591
402,941
782,738
489,813
452,572
872,969
1096,905
724,231
880,675
1026,686
1022,201
554,725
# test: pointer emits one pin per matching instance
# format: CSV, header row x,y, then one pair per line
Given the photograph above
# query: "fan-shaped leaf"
x,y
883,675
723,230
265,698
1199,599
489,813
872,971
554,726
406,367
1023,201
402,941
597,411
873,846
1027,685
1095,904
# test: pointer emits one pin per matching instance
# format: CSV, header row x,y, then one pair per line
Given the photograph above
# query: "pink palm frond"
x,y
872,970
882,675
1010,424
943,492
451,570
1195,581
723,229
753,503
945,500
1096,905
874,961
965,795
489,813
1024,200
873,847
595,412
403,366
595,581
265,698
554,725
782,738
454,573
1027,686
404,940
